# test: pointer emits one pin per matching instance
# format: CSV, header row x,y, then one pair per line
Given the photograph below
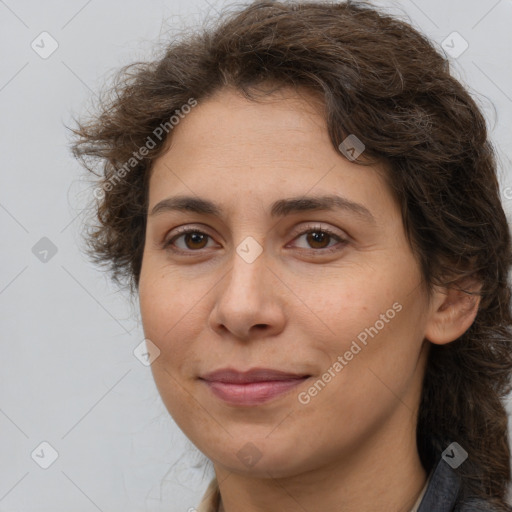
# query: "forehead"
x,y
229,123
237,149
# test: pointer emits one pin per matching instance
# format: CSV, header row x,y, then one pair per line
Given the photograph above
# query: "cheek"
x,y
370,368
170,320
173,312
352,306
375,322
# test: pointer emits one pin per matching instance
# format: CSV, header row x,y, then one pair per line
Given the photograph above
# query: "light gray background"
x,y
68,373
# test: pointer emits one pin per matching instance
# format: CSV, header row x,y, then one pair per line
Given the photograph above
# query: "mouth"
x,y
252,387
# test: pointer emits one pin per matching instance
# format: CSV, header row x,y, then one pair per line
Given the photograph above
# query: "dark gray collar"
x,y
442,490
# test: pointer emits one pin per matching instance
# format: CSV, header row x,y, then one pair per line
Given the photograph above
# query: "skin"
x,y
295,308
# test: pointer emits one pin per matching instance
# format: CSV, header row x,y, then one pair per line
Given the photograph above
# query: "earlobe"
x,y
453,310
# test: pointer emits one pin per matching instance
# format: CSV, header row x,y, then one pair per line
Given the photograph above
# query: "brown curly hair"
x,y
382,80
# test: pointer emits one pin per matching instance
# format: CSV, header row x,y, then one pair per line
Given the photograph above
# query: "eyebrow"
x,y
279,208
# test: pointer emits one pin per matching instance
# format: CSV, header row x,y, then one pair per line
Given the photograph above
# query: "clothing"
x,y
439,494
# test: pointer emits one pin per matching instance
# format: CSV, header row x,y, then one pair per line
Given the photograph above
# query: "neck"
x,y
384,474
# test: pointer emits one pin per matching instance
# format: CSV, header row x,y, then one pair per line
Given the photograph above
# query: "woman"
x,y
306,203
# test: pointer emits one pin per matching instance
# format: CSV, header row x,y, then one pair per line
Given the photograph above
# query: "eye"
x,y
318,239
193,240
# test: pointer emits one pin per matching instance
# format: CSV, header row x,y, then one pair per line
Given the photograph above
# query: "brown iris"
x,y
196,238
315,237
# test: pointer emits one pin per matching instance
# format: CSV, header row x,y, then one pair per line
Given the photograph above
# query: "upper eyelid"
x,y
316,225
297,229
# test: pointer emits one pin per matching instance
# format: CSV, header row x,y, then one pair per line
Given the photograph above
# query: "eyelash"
x,y
168,244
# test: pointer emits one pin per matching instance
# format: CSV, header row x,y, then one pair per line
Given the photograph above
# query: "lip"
x,y
251,387
232,376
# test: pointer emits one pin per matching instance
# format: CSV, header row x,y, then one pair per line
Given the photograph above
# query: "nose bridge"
x,y
248,268
244,303
249,259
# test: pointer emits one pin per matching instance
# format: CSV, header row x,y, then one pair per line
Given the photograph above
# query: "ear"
x,y
453,310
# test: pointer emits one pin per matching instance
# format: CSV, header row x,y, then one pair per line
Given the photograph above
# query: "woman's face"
x,y
342,314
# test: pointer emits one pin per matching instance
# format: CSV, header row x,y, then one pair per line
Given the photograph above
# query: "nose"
x,y
249,301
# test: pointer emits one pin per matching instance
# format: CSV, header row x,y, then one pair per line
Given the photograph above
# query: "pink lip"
x,y
252,387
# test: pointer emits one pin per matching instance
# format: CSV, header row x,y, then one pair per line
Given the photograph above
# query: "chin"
x,y
262,458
